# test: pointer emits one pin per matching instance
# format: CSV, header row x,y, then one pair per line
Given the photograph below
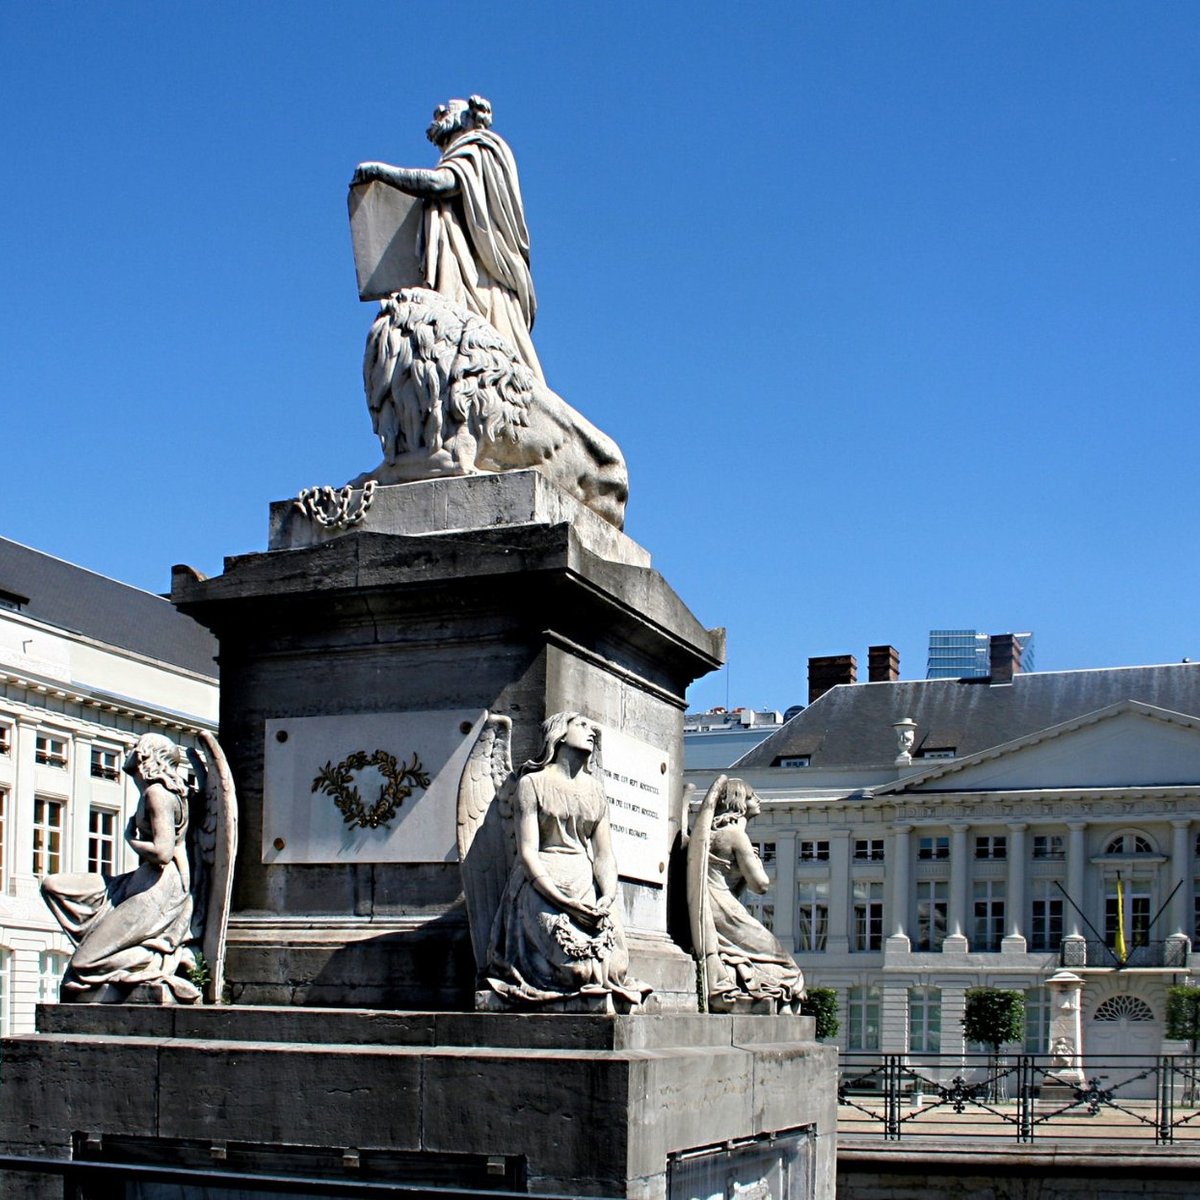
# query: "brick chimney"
x,y
828,671
883,664
1005,654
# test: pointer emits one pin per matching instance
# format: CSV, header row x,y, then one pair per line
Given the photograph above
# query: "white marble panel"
x,y
637,782
303,825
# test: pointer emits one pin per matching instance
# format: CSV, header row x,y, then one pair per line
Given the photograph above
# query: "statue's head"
x,y
736,799
156,759
570,729
456,117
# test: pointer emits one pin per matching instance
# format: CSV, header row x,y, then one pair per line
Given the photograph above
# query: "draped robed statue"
x,y
453,383
743,964
539,874
161,927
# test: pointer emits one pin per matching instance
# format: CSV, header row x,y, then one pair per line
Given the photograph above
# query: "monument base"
x,y
640,1106
388,640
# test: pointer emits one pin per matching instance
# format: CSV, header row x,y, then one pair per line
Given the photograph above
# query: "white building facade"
x,y
87,665
902,879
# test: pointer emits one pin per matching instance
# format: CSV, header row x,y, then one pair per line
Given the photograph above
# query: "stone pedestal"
x,y
448,599
586,1105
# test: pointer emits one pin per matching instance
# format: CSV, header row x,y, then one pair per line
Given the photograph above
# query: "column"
x,y
20,821
898,868
1181,876
1014,893
75,833
956,934
1076,866
785,888
838,940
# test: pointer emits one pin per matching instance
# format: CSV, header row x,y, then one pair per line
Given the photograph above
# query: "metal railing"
x,y
1081,952
1021,1097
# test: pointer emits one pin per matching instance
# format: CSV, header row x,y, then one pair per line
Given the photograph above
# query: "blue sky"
x,y
891,306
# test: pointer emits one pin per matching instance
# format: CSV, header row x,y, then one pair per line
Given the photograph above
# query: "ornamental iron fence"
x,y
1088,952
1021,1097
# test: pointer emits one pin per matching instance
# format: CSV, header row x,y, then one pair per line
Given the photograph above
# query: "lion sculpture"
x,y
448,395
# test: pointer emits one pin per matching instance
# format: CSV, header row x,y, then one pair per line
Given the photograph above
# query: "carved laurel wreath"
x,y
399,782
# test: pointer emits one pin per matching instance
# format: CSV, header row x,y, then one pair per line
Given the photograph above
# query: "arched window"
x,y
1129,843
1129,1008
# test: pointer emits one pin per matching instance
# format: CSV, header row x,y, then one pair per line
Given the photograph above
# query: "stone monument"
x,y
463,972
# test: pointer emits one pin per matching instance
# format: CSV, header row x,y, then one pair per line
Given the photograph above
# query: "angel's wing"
x,y
483,851
217,844
704,932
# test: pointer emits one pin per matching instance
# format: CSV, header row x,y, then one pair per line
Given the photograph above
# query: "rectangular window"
x,y
50,751
991,847
868,849
813,851
924,1020
102,841
1037,1020
47,836
931,913
1045,916
868,915
988,899
1137,914
106,764
796,760
5,738
51,965
933,847
812,914
862,1018
1048,846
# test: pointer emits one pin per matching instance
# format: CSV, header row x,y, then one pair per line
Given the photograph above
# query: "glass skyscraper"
x,y
966,653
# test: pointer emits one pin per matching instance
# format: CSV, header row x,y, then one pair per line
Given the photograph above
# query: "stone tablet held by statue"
x,y
385,228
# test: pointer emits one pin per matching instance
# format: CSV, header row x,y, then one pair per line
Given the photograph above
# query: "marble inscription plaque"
x,y
637,781
342,757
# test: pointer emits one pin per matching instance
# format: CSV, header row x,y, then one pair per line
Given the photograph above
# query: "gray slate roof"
x,y
73,598
851,725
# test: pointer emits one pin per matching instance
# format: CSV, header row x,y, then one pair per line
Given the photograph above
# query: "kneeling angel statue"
x,y
744,965
539,876
163,923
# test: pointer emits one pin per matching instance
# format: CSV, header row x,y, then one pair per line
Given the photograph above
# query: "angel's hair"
x,y
156,759
732,802
554,729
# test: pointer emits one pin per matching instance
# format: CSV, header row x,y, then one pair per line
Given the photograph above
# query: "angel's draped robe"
x,y
127,929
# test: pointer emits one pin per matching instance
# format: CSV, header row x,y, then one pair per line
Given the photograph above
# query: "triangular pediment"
x,y
1129,744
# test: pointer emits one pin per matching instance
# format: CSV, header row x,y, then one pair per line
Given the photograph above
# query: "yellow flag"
x,y
1119,945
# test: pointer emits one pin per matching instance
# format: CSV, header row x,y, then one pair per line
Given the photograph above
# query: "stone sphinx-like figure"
x,y
158,923
453,383
744,963
539,876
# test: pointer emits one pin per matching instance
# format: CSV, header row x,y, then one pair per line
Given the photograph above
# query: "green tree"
x,y
822,1003
993,1016
1183,1014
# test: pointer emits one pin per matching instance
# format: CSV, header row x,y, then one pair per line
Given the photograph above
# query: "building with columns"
x,y
929,836
87,665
